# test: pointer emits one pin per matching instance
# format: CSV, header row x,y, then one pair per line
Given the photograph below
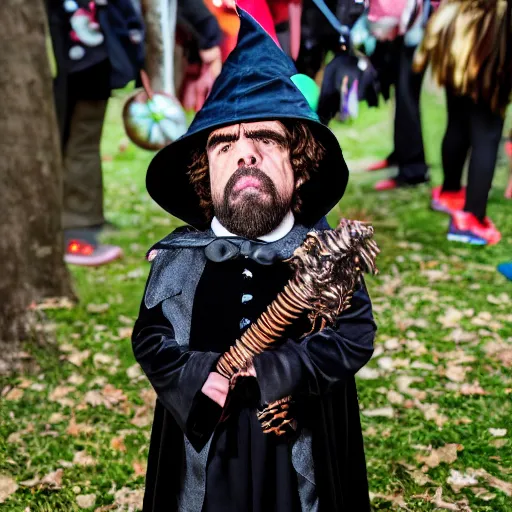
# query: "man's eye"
x,y
266,141
224,149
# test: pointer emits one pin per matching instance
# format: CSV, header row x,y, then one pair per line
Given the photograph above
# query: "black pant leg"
x,y
456,141
486,128
409,152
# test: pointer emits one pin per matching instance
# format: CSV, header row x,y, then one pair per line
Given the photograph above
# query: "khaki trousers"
x,y
83,180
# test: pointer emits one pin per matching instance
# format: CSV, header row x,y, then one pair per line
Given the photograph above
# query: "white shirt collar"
x,y
280,232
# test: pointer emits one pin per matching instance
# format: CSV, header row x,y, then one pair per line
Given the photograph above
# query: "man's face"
x,y
251,177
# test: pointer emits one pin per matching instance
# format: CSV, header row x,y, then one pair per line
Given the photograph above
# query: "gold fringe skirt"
x,y
469,46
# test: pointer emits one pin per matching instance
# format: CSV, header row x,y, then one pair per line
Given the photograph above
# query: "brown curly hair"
x,y
306,153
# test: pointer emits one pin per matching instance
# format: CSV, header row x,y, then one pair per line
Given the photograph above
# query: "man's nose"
x,y
247,153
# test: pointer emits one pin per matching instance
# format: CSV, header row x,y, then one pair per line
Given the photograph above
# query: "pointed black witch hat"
x,y
256,83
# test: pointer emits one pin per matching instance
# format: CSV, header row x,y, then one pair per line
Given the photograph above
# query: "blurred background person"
x,y
468,43
199,39
392,58
98,46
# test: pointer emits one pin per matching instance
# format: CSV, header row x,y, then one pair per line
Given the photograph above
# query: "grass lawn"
x,y
435,399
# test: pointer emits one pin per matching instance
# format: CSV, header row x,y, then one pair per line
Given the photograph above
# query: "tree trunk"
x,y
31,243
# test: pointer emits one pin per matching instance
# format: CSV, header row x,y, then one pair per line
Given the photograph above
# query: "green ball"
x,y
308,87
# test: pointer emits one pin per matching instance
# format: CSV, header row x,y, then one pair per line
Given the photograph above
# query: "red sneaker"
x,y
387,184
81,252
466,228
508,148
378,166
448,202
508,191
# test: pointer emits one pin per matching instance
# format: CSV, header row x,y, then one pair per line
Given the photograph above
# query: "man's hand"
x,y
216,388
212,61
249,371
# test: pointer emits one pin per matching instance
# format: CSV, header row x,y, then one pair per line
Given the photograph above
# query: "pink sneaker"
x,y
448,202
386,184
466,228
379,165
508,151
80,252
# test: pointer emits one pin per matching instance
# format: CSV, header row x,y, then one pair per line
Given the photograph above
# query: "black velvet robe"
x,y
317,370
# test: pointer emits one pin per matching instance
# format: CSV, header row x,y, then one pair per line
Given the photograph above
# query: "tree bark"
x,y
31,242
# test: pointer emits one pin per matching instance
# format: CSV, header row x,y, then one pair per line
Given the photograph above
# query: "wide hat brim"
x,y
256,84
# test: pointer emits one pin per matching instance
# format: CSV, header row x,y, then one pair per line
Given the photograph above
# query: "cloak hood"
x,y
256,83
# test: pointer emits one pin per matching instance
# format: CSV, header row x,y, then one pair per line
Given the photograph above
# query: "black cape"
x,y
328,365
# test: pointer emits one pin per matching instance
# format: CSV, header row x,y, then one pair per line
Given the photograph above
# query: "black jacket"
x,y
118,19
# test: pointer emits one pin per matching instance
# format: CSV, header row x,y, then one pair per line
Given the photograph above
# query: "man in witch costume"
x,y
254,174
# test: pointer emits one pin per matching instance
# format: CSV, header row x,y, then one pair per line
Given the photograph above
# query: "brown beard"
x,y
253,217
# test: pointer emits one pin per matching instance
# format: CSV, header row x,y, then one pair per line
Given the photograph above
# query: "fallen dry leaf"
x,y
129,497
472,389
498,432
108,397
501,485
430,412
60,392
386,363
76,380
24,383
7,487
117,443
95,398
15,437
125,332
55,303
367,373
386,412
14,394
456,373
99,359
446,454
459,335
143,416
77,358
97,308
419,477
56,417
82,458
31,482
396,499
139,468
53,479
395,398
440,503
148,396
86,500
483,494
113,395
451,318
75,429
403,383
458,480
134,371
436,275
501,351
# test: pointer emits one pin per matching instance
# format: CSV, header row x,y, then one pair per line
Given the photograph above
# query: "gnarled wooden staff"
x,y
328,265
